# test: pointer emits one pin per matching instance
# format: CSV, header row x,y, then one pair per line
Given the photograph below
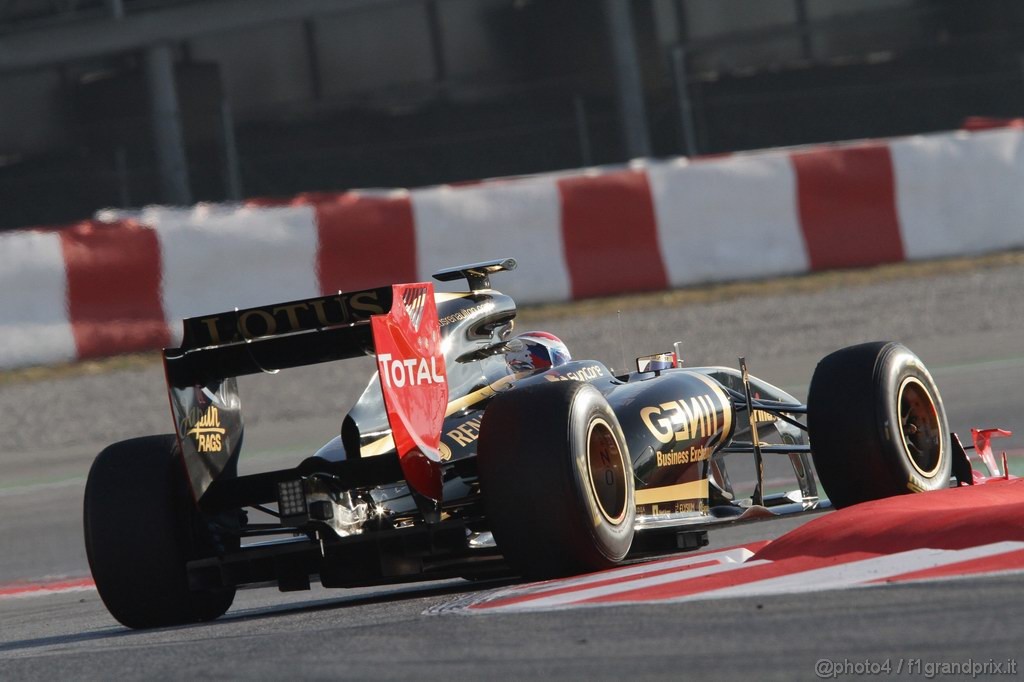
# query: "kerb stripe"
x,y
993,563
847,202
350,228
610,234
114,274
46,587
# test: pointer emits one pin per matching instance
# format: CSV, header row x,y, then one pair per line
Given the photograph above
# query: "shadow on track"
x,y
389,597
113,632
412,592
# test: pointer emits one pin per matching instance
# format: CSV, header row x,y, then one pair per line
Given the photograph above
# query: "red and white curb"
x,y
736,572
973,530
45,588
122,282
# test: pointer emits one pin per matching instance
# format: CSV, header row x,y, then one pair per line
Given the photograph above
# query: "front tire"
x,y
141,527
556,479
877,425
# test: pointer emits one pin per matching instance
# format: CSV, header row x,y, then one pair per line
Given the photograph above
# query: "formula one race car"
x,y
475,452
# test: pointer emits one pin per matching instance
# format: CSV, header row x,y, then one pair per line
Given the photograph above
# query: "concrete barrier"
x,y
123,281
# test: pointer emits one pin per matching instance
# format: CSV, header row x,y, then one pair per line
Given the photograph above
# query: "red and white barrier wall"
x,y
122,282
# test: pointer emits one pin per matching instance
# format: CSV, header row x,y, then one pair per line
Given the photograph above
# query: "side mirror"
x,y
509,346
656,362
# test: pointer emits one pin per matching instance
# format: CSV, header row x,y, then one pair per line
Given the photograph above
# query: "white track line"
x,y
857,572
558,595
731,556
570,598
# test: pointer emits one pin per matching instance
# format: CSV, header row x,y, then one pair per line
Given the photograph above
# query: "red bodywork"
x,y
413,380
983,449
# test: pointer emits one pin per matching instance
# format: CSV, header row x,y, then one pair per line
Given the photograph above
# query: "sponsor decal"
x,y
588,373
287,318
444,451
411,371
762,417
467,313
695,453
204,428
466,433
680,420
666,508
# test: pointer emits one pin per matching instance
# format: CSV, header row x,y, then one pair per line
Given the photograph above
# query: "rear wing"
x,y
398,324
272,337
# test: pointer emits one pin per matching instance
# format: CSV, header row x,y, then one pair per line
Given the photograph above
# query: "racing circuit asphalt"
x,y
965,321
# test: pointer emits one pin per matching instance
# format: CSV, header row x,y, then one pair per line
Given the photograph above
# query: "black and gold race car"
x,y
477,452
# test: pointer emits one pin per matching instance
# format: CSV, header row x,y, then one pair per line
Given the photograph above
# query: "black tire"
x,y
141,527
556,479
877,425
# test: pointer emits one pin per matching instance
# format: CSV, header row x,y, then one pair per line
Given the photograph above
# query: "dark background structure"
x,y
131,102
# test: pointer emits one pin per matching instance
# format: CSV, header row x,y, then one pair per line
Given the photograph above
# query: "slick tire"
x,y
556,479
141,527
877,425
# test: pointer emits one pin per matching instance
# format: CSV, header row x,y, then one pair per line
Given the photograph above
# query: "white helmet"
x,y
536,351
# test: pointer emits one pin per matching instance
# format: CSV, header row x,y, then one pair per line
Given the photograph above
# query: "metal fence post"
x,y
629,84
583,130
165,115
232,168
677,55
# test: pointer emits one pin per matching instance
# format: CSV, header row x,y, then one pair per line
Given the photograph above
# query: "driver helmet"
x,y
537,351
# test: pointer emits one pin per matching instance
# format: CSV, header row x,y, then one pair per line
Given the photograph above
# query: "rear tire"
x,y
877,425
556,479
141,527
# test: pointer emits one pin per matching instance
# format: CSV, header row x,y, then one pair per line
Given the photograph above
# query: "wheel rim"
x,y
606,471
919,427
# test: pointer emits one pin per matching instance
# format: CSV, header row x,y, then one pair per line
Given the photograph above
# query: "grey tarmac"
x,y
966,322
